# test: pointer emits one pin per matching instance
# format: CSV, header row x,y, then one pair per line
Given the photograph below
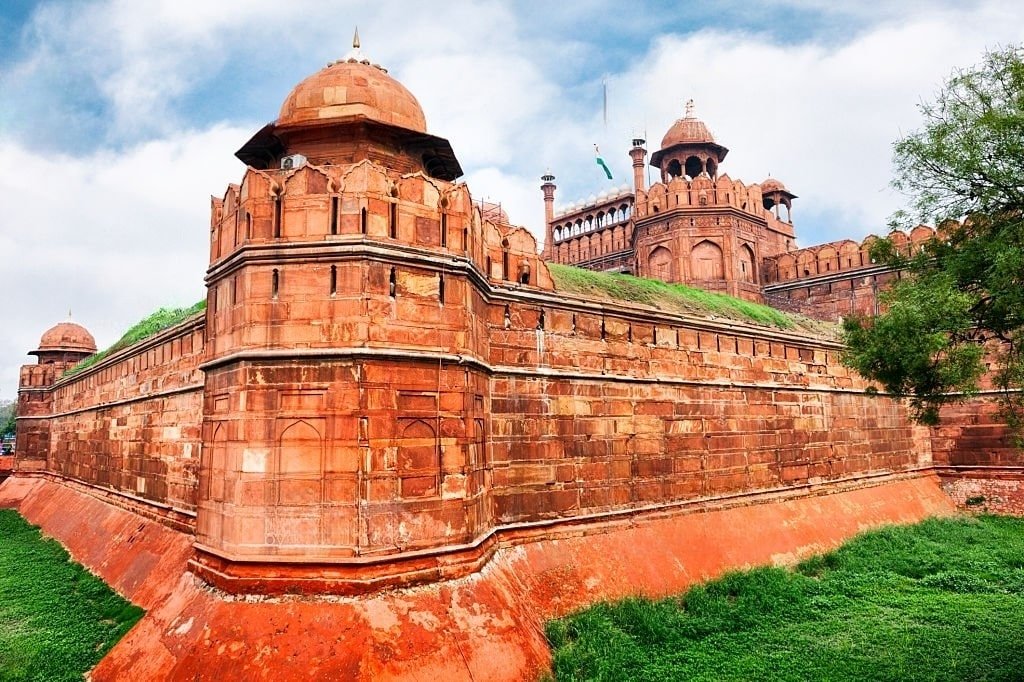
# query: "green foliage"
x,y
940,600
674,297
965,164
8,413
56,619
917,348
162,319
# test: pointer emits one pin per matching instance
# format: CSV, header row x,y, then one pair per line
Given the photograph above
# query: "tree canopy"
x,y
958,312
8,411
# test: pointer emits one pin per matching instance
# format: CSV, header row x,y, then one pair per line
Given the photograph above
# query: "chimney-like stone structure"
x,y
637,153
548,188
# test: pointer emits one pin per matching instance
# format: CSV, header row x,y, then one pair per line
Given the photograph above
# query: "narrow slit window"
x,y
275,284
334,215
540,319
393,220
277,217
362,220
440,289
334,280
444,229
392,283
248,226
508,317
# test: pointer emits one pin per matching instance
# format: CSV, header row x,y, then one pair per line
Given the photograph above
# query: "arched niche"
x,y
212,488
419,462
706,261
659,264
299,464
747,271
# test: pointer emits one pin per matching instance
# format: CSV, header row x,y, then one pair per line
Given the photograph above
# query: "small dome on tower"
x,y
67,337
772,185
687,130
352,88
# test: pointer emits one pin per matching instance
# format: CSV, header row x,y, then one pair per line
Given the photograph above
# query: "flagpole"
x,y
604,104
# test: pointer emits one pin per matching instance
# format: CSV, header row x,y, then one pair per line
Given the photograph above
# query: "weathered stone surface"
x,y
485,626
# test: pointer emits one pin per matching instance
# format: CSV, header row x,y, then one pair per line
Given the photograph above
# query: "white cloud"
x,y
109,236
118,232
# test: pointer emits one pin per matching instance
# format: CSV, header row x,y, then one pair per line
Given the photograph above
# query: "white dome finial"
x,y
355,54
690,108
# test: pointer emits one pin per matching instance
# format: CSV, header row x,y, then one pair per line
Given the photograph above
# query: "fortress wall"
x,y
979,466
655,413
972,434
131,423
832,297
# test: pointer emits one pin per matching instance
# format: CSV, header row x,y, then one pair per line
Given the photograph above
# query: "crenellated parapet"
x,y
838,278
839,256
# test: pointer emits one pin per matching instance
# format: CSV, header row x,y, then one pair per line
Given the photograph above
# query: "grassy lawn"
x,y
56,619
940,600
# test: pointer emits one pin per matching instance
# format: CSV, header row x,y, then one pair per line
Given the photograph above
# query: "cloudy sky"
x,y
119,118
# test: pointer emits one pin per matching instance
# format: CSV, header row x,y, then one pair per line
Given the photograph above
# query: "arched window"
x,y
505,264
694,166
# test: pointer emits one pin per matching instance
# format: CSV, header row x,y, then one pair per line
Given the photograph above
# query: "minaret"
x,y
638,153
548,188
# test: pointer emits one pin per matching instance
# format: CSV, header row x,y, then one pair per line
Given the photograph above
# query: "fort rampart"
x,y
388,390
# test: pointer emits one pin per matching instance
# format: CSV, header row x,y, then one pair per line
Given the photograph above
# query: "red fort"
x,y
392,445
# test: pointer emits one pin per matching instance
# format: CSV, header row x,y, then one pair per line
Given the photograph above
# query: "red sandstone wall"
x,y
972,434
33,427
602,412
833,297
131,423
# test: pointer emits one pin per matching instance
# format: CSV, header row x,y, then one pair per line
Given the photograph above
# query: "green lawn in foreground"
x,y
56,619
940,600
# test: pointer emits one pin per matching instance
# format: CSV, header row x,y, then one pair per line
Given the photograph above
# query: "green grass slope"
x,y
940,600
56,619
162,319
676,298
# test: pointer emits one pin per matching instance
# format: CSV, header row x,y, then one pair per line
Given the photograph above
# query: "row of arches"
x,y
297,470
586,247
706,262
690,167
613,215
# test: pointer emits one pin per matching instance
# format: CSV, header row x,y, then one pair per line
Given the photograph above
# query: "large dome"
x,y
352,89
67,336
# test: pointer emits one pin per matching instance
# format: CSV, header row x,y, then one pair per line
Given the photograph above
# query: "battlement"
x,y
839,256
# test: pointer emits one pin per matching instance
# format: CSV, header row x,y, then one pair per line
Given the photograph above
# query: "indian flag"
x,y
601,163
